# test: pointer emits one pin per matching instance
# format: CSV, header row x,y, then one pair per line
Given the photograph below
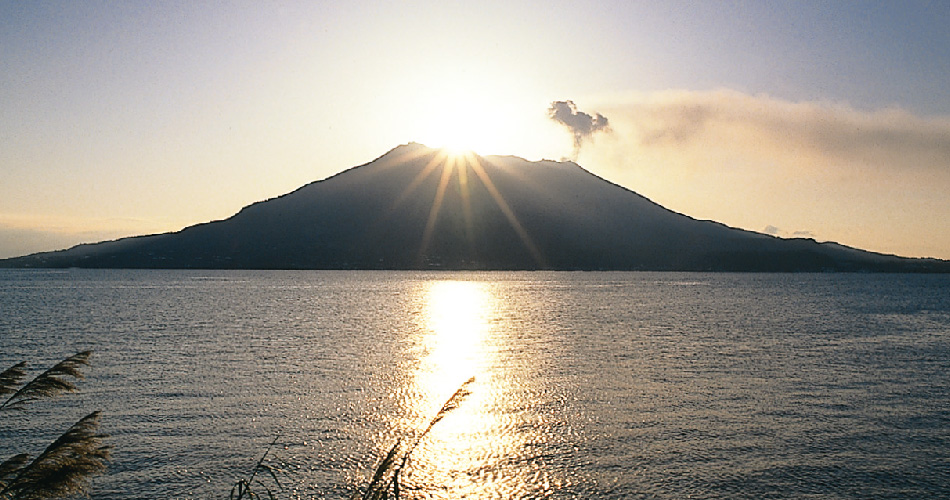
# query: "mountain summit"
x,y
422,208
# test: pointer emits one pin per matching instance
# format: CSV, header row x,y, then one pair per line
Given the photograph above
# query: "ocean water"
x,y
586,385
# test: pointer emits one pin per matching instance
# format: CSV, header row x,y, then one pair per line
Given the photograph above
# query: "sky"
x,y
827,120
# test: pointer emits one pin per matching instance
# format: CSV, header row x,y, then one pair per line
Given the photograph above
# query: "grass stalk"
x,y
65,466
48,384
245,487
386,476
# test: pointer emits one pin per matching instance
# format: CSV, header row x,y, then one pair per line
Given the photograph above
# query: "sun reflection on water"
x,y
455,343
488,446
479,449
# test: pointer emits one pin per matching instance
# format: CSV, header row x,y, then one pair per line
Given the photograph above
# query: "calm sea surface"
x,y
587,385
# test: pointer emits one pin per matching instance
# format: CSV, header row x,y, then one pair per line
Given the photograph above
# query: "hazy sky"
x,y
824,119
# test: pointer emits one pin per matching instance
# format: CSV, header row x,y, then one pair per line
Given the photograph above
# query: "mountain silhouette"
x,y
421,208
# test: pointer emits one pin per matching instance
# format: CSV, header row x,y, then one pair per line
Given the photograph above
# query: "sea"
x,y
559,385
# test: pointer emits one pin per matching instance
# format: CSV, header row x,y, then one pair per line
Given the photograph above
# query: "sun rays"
x,y
448,166
509,214
462,171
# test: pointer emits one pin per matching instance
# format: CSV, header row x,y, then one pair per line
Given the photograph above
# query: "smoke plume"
x,y
581,124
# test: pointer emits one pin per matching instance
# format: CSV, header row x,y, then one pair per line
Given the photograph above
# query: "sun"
x,y
458,121
465,108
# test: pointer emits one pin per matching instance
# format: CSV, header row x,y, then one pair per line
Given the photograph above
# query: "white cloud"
x,y
761,125
876,179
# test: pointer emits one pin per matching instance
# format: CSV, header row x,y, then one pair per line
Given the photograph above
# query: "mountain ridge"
x,y
416,207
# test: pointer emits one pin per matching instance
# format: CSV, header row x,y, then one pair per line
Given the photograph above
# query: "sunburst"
x,y
458,164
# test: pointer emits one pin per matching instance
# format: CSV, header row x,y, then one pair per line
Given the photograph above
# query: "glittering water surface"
x,y
587,385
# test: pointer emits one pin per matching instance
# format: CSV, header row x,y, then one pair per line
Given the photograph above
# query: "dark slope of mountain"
x,y
416,208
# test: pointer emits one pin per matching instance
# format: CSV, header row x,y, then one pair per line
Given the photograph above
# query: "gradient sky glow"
x,y
822,119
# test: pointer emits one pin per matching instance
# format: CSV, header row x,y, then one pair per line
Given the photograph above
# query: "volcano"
x,y
422,208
